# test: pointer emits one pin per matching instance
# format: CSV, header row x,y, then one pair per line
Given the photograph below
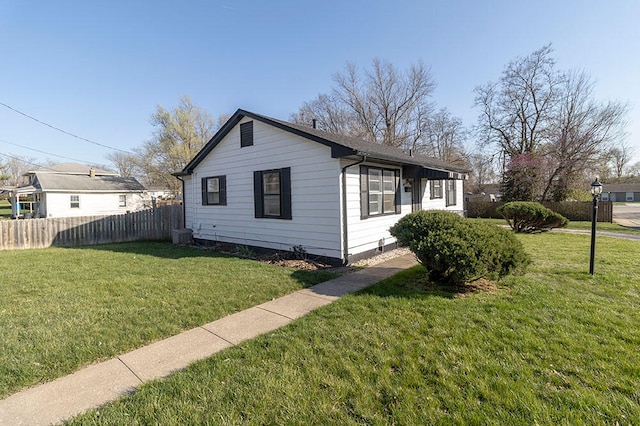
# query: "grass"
x,y
5,209
64,308
581,226
555,346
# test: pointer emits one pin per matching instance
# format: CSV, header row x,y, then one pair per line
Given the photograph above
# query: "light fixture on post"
x,y
596,190
407,185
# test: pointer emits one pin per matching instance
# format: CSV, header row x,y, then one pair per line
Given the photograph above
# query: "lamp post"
x,y
596,190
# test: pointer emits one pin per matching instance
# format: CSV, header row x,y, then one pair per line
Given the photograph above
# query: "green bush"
x,y
457,250
529,217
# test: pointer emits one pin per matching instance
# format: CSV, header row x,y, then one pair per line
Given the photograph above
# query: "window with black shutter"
x,y
214,191
272,193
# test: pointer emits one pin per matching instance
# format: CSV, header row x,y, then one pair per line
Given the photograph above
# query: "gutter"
x,y
345,233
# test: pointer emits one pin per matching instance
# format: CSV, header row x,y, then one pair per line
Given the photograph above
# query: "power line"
x,y
64,131
43,152
28,162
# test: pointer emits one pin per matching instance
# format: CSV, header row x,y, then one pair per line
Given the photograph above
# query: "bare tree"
x,y
125,164
620,156
517,110
179,134
14,168
443,137
482,172
330,115
582,130
540,117
381,104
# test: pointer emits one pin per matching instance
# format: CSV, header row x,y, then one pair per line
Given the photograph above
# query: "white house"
x,y
69,189
267,183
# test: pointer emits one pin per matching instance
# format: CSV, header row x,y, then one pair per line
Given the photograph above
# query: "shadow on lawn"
x,y
414,283
167,250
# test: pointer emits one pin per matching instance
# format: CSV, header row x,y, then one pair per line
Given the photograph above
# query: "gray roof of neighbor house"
x,y
621,187
73,168
341,147
54,182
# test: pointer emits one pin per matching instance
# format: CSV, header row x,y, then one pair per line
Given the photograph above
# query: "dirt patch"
x,y
453,290
302,264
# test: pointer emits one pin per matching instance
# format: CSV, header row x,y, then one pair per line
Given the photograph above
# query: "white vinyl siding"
x,y
315,193
91,204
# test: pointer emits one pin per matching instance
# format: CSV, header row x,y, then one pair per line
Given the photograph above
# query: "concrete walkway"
x,y
98,384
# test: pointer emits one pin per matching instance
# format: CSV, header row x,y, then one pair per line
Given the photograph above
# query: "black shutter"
x,y
285,193
222,181
257,194
398,200
204,192
364,192
246,134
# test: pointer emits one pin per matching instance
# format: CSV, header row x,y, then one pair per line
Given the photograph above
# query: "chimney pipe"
x,y
314,123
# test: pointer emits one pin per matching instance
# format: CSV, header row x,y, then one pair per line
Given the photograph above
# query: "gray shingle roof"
x,y
74,168
342,146
68,183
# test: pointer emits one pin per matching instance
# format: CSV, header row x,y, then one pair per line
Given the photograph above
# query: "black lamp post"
x,y
596,190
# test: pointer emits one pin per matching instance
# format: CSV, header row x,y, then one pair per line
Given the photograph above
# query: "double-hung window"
x,y
214,191
435,189
451,192
379,191
122,200
272,193
74,201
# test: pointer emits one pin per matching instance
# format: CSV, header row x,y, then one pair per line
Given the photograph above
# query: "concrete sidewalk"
x,y
98,384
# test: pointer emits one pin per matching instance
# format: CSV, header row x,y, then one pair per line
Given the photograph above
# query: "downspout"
x,y
345,233
184,211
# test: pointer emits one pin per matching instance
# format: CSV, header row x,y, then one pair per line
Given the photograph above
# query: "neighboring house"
x,y
620,192
159,193
69,189
267,183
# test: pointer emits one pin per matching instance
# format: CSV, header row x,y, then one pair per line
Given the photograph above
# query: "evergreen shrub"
x,y
530,217
457,250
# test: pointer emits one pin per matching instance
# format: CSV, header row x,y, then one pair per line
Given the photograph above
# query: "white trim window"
x,y
450,186
74,201
379,191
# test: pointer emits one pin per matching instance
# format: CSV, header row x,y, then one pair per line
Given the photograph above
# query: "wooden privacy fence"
x,y
572,210
152,224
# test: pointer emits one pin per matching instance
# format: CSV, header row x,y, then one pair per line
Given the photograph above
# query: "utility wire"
x,y
64,131
28,162
44,152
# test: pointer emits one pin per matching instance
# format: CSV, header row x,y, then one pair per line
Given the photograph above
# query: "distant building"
x,y
70,189
625,192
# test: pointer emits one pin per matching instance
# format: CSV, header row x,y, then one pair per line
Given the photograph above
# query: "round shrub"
x,y
529,217
457,250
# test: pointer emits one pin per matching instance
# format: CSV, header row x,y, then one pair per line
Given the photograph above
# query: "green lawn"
x,y
555,346
5,209
580,225
65,308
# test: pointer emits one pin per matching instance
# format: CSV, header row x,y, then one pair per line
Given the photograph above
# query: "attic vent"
x,y
246,134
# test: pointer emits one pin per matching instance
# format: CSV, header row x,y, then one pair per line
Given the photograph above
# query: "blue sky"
x,y
98,69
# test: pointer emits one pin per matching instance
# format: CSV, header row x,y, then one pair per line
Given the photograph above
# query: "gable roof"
x,y
73,168
341,147
55,182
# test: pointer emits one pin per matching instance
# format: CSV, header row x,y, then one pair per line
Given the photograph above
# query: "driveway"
x,y
627,215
